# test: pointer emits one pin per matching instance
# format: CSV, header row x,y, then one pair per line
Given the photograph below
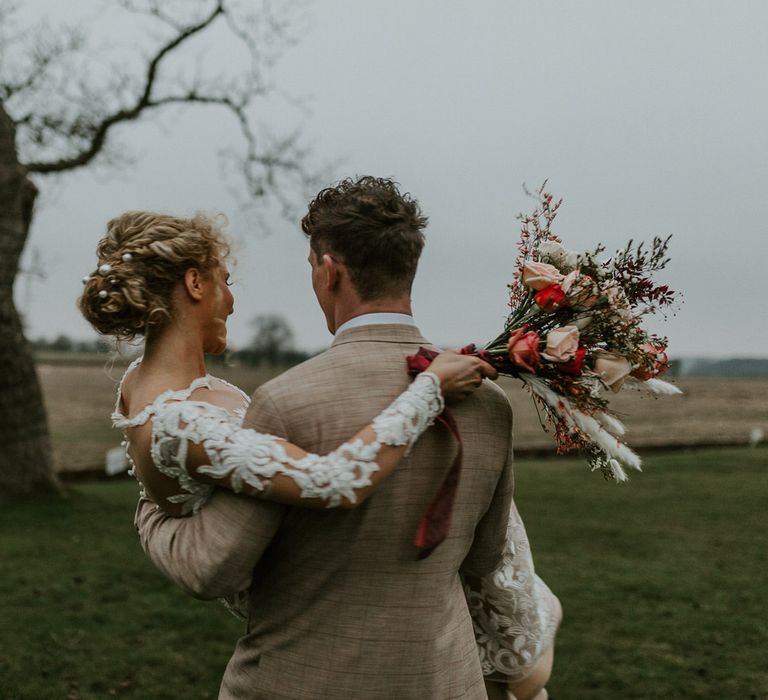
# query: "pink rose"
x,y
524,349
612,368
537,275
562,344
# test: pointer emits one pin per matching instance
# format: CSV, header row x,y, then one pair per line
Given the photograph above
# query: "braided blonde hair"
x,y
141,259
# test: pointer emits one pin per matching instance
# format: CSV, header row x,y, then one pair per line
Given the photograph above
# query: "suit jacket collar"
x,y
381,333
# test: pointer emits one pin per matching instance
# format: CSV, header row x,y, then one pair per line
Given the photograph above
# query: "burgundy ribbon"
x,y
436,521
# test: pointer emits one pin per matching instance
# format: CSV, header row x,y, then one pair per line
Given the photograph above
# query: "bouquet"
x,y
574,334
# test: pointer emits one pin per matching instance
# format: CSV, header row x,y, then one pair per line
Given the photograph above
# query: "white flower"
x,y
551,252
571,259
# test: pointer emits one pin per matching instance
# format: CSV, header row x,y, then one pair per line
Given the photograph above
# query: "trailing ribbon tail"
x,y
436,521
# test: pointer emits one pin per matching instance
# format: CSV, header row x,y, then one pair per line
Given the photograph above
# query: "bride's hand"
x,y
459,374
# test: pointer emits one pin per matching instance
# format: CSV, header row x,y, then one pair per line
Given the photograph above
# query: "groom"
x,y
339,604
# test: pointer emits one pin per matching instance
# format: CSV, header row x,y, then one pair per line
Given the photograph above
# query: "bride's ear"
x,y
194,283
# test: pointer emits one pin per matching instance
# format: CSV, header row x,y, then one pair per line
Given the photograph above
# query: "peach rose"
x,y
567,282
537,275
612,368
562,344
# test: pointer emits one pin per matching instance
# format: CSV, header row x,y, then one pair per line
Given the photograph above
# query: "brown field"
x,y
80,398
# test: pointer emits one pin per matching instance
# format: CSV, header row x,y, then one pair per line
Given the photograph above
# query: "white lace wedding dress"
x,y
242,456
512,609
514,613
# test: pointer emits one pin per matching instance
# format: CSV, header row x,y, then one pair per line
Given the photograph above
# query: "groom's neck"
x,y
397,305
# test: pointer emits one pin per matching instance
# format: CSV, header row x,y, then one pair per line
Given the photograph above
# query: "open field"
x,y
80,398
663,582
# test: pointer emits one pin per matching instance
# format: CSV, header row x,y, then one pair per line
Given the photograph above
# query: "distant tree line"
x,y
732,367
272,343
63,343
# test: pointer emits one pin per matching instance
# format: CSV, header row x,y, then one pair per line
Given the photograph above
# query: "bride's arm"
x,y
215,449
215,553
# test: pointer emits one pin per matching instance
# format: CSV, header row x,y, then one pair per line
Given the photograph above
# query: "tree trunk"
x,y
26,462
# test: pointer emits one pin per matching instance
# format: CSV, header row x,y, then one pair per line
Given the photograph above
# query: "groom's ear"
x,y
331,267
193,283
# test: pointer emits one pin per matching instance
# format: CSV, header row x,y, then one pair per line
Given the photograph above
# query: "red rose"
x,y
551,298
573,366
654,362
524,349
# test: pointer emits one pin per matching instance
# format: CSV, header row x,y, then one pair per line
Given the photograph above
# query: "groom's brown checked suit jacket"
x,y
340,606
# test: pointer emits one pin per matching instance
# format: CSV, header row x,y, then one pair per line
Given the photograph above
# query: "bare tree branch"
x,y
283,154
155,10
74,129
46,52
100,131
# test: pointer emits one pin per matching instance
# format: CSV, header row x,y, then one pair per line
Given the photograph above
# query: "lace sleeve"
x,y
245,460
514,613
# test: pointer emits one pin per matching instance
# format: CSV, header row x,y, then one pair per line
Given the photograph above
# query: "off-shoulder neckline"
x,y
120,420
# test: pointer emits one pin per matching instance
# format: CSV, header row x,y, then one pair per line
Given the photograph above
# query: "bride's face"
x,y
219,305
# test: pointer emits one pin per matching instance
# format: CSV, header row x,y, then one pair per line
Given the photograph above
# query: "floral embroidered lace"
x,y
513,611
241,456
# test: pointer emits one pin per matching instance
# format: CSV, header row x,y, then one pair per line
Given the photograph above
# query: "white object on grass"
x,y
116,461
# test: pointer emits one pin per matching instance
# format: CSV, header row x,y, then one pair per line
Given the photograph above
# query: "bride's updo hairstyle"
x,y
141,259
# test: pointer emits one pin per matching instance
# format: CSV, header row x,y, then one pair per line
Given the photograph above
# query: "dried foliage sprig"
x,y
535,228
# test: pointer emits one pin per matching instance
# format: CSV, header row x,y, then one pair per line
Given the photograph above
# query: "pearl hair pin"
x,y
85,280
103,293
105,268
127,257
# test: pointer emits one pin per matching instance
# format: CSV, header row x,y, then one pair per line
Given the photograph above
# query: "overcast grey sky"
x,y
647,117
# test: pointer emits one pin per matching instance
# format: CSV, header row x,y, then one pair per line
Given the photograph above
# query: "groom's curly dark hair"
x,y
373,228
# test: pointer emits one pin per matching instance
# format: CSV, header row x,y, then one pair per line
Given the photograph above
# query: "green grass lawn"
x,y
83,614
664,582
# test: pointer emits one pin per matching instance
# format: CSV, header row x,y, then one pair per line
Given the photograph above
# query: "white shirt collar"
x,y
376,319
